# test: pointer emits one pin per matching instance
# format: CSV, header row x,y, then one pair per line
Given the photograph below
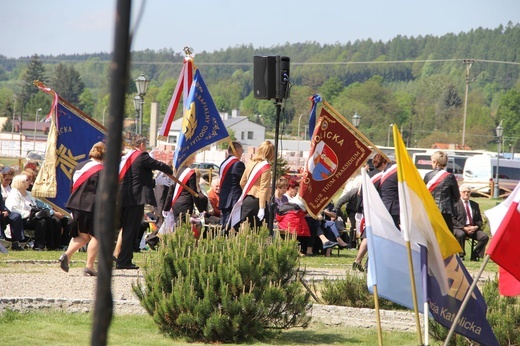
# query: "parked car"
x,y
205,168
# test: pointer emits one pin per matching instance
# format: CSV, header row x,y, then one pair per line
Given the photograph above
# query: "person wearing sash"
x,y
443,187
231,170
137,183
467,222
179,200
256,186
84,183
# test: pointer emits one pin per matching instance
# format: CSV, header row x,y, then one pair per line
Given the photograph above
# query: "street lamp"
x,y
104,110
500,131
142,86
298,145
35,122
356,119
388,136
138,104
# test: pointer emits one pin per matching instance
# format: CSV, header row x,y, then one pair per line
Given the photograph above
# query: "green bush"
x,y
353,292
224,289
503,314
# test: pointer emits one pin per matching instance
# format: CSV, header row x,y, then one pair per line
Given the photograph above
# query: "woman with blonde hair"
x,y
256,185
22,202
81,202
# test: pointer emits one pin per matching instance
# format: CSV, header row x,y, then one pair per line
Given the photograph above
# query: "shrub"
x,y
353,292
224,289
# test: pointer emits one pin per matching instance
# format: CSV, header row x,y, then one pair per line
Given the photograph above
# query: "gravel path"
x,y
33,285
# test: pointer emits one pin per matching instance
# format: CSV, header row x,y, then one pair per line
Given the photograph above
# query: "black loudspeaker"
x,y
264,77
283,67
271,77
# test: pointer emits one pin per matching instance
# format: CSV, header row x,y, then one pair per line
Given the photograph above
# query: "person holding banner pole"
x,y
136,177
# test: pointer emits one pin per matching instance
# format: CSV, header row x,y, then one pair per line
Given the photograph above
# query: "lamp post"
x,y
142,86
388,136
35,122
104,110
138,111
496,190
356,119
298,143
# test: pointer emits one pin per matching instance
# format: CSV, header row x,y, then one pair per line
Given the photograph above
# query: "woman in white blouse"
x,y
21,201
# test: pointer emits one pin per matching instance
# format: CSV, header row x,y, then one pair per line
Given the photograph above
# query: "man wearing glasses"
x,y
467,222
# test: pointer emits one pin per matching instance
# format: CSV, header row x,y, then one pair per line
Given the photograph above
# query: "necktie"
x,y
468,213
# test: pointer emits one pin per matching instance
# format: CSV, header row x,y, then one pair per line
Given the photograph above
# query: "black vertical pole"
x,y
106,198
270,224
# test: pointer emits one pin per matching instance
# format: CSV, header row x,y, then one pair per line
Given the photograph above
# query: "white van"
x,y
423,162
480,170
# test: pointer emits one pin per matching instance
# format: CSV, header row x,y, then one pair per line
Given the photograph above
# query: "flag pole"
x,y
466,300
414,292
378,317
184,186
355,130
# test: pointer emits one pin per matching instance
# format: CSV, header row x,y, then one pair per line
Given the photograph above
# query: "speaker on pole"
x,y
271,77
264,77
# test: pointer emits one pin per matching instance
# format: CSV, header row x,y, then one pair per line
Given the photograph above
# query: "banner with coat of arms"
x,y
336,153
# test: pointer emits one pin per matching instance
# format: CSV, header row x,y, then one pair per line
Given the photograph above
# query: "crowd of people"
x,y
240,195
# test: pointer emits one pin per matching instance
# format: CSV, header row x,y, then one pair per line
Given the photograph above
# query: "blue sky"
x,y
77,27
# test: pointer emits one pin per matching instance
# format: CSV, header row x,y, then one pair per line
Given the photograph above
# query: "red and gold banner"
x,y
336,152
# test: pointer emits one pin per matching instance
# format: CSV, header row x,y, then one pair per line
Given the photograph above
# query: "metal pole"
x,y
104,110
468,64
388,136
35,121
496,190
278,103
141,114
298,146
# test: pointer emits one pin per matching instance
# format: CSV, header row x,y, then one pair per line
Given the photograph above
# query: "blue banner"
x,y
77,133
201,122
473,323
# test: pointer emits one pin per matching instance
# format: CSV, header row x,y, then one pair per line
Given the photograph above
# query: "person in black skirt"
x,y
81,202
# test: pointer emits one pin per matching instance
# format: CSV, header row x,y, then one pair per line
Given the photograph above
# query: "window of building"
x,y
172,139
250,135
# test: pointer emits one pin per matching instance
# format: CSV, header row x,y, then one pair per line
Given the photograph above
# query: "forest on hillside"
x,y
418,83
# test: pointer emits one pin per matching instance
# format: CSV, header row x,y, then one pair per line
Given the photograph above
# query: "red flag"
x,y
335,155
508,285
503,248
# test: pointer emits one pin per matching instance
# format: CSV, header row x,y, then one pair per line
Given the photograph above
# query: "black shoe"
x,y
358,266
64,262
131,266
15,246
88,272
329,244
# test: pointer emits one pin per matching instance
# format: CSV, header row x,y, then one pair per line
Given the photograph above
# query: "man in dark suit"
x,y
231,171
136,176
467,222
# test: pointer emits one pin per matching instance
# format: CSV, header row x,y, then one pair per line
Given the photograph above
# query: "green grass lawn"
x,y
57,328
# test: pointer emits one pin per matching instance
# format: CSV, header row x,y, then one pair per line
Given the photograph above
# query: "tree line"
x,y
418,83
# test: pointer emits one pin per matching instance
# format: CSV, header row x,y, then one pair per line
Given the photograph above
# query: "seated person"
x,y
14,220
213,214
291,218
467,222
328,231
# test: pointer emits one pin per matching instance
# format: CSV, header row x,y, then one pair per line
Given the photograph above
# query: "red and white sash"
x,y
256,173
126,162
81,175
184,177
226,165
437,179
388,173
